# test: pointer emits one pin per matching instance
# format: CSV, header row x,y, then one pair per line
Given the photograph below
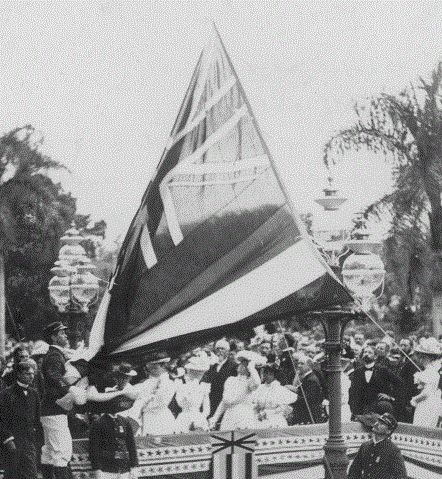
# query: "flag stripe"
x,y
276,279
146,247
275,235
249,462
229,466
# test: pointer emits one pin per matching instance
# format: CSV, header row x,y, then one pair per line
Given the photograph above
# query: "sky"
x,y
103,82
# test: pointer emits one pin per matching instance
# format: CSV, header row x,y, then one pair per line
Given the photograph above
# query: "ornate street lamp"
x,y
73,288
363,272
331,239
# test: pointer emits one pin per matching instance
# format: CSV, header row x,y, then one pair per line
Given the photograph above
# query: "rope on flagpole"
x,y
300,385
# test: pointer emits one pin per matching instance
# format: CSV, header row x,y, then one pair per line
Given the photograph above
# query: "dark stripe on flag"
x,y
229,466
249,462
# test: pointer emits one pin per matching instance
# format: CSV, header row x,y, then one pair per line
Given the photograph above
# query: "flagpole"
x,y
335,458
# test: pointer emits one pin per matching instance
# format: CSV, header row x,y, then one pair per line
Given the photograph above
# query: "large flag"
x,y
216,244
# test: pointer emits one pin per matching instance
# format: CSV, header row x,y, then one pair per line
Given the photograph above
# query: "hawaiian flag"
x,y
216,243
233,455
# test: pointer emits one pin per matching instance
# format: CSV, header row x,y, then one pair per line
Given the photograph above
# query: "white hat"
x,y
301,357
222,343
429,346
258,359
198,363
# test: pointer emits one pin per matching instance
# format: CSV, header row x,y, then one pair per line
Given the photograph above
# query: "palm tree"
x,y
34,212
406,130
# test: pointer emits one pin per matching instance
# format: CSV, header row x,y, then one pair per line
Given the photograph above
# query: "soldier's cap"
x,y
53,328
389,420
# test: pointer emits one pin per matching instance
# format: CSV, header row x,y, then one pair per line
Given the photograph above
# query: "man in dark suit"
x,y
57,449
307,409
405,368
374,388
20,424
379,457
218,373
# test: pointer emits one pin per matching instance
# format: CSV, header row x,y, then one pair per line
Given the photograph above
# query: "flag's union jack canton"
x,y
233,455
216,240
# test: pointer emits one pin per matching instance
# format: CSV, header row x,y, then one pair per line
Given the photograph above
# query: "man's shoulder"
x,y
390,445
357,371
53,354
7,391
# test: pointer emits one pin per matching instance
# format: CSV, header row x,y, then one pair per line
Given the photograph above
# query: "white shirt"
x,y
24,386
369,373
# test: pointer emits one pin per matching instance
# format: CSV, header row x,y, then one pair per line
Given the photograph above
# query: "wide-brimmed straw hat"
x,y
429,346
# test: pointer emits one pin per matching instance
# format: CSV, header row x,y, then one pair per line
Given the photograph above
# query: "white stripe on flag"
x,y
276,279
149,255
96,337
171,216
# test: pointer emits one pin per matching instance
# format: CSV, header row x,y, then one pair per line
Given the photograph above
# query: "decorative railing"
x,y
277,451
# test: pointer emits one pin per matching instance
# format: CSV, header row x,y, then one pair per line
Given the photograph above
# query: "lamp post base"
x,y
335,459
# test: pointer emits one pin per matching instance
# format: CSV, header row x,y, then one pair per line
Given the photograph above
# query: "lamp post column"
x,y
336,460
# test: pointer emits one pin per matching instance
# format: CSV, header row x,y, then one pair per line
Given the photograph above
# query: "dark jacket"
x,y
378,461
53,370
217,380
363,396
19,414
112,444
310,392
406,370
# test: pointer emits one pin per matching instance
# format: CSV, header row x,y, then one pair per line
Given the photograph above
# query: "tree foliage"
x,y
406,130
34,214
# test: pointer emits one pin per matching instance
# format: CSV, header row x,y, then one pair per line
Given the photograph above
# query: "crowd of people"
x,y
270,381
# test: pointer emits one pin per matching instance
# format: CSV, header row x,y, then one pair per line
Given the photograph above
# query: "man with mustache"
x,y
374,388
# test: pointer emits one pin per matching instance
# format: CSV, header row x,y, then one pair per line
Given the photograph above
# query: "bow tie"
x,y
369,368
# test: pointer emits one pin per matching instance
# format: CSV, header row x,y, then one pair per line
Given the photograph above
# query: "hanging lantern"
x,y
330,201
363,273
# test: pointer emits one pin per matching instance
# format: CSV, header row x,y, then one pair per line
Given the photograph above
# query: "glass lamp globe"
x,y
84,288
363,273
59,291
71,253
72,236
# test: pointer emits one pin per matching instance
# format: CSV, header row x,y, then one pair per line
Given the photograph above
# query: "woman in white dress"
x,y
238,411
152,397
271,400
156,417
428,402
192,396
